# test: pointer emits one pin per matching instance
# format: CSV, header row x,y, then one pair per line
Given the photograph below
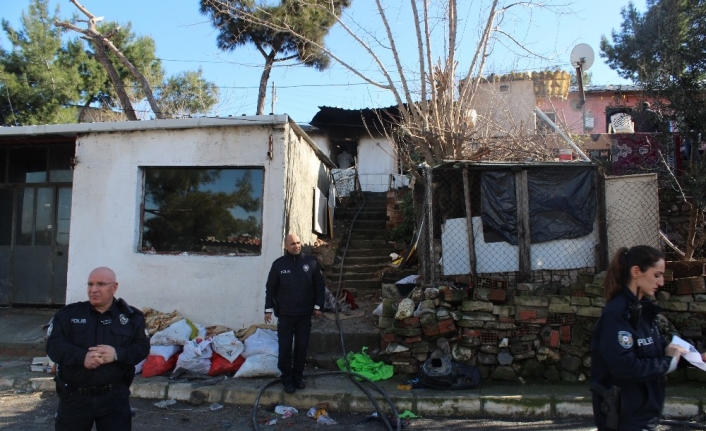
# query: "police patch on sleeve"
x,y
625,339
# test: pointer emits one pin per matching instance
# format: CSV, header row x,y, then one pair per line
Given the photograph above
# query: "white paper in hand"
x,y
693,355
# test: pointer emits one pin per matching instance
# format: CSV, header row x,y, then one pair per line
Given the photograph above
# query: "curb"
x,y
343,396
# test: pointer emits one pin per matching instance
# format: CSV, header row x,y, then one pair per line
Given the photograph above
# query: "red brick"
x,y
431,330
447,324
496,296
528,315
539,321
410,322
506,319
412,340
389,337
565,334
471,333
554,339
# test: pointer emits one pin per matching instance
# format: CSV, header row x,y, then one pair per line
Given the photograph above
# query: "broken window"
x,y
202,210
544,128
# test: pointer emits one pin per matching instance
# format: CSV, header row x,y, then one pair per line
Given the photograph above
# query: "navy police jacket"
x,y
78,326
296,283
629,353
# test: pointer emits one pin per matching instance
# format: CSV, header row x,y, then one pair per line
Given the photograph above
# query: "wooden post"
x,y
523,225
602,257
428,204
469,220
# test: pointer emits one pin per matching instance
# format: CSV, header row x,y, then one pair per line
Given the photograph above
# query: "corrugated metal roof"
x,y
74,130
604,88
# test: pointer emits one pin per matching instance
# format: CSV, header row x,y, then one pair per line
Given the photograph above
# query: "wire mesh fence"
x,y
505,223
632,211
547,222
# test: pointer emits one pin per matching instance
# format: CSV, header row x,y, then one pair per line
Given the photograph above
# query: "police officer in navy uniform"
x,y
96,345
629,356
294,291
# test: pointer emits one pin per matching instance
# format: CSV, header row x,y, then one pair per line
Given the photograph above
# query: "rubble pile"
x,y
526,331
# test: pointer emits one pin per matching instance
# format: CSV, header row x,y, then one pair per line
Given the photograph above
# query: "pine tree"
x,y
243,22
37,80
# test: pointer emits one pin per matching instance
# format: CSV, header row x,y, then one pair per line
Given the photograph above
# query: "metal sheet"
x,y
5,283
61,268
32,275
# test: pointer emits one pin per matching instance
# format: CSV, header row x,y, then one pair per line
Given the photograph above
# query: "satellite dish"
x,y
582,56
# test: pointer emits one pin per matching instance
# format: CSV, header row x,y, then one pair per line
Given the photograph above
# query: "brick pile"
x,y
524,331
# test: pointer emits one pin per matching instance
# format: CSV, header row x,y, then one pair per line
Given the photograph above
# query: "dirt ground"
x,y
34,411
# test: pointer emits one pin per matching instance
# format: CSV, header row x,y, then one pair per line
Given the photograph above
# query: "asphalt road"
x,y
34,411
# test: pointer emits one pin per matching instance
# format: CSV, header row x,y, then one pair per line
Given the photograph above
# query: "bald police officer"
x,y
96,345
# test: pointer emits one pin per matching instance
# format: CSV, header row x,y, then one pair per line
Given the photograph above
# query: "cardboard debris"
x,y
42,364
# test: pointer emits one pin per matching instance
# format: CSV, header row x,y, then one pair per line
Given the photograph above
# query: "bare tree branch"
x,y
100,42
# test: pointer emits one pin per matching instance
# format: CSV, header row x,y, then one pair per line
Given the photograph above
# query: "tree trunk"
x,y
693,240
102,42
136,73
103,59
84,108
264,78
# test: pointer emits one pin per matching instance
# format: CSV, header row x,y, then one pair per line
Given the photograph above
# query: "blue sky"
x,y
185,40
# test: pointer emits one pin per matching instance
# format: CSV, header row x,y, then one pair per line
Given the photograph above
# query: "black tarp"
x,y
498,206
562,204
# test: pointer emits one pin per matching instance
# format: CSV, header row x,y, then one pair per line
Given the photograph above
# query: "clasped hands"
x,y
99,355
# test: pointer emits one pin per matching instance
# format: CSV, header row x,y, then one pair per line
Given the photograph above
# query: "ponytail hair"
x,y
618,273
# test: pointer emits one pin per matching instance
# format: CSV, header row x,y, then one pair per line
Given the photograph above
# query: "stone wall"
x,y
525,331
674,220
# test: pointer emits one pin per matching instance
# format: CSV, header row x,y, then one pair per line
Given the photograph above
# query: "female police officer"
x,y
629,357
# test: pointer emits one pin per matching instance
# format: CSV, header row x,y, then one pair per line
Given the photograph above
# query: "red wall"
x,y
596,103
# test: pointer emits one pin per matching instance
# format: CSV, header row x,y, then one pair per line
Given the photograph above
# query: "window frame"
x,y
140,248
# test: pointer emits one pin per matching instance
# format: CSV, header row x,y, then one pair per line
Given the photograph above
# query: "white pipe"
x,y
544,117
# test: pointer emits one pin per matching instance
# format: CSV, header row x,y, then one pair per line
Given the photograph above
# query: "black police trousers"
x,y
297,329
110,411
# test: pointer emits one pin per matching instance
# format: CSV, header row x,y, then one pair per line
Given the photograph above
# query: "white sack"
x,y
177,333
196,357
227,345
138,367
165,351
259,366
262,342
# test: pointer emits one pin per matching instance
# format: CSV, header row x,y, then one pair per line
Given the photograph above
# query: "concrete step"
x,y
364,260
368,234
372,275
362,285
369,244
367,252
363,215
325,347
362,224
355,268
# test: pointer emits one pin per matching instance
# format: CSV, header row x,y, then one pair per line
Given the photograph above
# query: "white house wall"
x,y
376,161
322,141
304,173
105,223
